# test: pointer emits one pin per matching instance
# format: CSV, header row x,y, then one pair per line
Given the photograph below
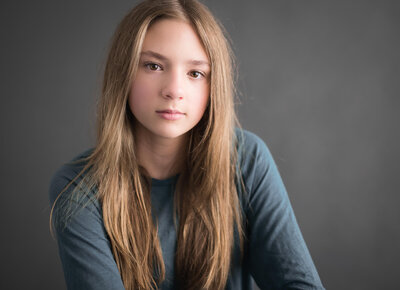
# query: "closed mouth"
x,y
170,112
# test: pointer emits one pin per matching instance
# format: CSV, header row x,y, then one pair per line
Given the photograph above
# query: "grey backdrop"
x,y
319,82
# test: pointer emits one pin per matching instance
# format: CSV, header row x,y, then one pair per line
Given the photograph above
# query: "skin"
x,y
173,74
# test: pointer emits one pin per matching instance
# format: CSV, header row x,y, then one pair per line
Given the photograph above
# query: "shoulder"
x,y
66,173
256,168
251,149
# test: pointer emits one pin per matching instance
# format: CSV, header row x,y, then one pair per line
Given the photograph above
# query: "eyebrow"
x,y
164,58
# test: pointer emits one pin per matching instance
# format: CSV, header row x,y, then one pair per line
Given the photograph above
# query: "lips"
x,y
170,115
170,112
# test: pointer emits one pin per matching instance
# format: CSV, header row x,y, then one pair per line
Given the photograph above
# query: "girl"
x,y
173,196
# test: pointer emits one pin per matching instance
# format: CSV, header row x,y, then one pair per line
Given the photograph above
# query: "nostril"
x,y
172,95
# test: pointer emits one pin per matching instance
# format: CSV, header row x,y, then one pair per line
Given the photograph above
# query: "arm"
x,y
278,255
83,243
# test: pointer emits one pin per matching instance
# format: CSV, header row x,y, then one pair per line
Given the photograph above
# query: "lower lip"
x,y
170,116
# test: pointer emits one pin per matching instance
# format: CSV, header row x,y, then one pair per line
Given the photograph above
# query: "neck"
x,y
161,157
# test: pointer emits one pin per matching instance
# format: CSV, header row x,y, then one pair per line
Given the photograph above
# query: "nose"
x,y
173,87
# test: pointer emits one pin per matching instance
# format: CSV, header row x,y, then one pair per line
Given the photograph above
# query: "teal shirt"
x,y
275,254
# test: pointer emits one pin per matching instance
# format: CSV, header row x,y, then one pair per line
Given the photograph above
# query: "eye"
x,y
196,74
152,66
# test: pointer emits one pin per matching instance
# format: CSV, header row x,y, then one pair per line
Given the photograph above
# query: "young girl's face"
x,y
170,91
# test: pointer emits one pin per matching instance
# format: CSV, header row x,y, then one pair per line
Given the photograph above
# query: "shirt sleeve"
x,y
278,255
83,243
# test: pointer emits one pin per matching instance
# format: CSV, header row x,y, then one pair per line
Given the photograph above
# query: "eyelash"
x,y
148,64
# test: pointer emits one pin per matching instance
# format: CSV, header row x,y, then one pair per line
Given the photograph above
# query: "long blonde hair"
x,y
206,199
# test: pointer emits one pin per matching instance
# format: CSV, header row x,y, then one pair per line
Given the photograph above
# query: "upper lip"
x,y
169,111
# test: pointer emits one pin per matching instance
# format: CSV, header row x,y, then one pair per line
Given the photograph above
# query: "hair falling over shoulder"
x,y
206,198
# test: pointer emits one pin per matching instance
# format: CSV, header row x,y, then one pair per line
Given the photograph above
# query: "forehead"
x,y
175,39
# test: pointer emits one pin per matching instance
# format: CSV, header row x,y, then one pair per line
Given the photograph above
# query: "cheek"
x,y
203,99
139,95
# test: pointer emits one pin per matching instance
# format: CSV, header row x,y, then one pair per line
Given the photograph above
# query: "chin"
x,y
171,133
